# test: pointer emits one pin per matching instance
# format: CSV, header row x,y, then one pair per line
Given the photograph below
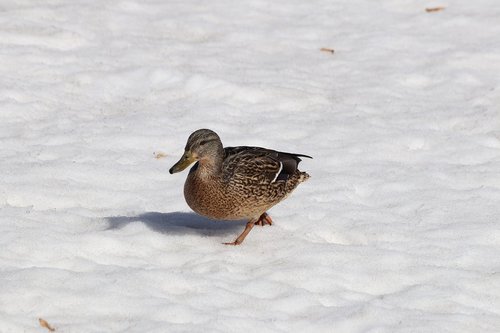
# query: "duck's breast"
x,y
208,197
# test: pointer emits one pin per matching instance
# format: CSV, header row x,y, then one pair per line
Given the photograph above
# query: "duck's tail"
x,y
303,176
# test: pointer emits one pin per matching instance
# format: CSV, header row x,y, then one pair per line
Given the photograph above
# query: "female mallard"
x,y
235,183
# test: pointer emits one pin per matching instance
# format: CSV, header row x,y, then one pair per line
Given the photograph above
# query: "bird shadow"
x,y
177,223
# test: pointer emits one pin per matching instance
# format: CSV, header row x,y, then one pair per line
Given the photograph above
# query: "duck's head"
x,y
203,145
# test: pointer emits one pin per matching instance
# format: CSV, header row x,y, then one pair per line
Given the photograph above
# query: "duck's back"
x,y
259,166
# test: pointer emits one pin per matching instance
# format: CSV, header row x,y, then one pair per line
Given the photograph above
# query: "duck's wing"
x,y
259,165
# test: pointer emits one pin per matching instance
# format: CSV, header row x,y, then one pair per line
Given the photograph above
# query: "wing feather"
x,y
259,165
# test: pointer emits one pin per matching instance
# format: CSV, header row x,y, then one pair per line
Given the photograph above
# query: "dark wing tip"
x,y
302,155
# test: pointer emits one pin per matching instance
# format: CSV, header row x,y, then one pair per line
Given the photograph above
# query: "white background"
x,y
396,231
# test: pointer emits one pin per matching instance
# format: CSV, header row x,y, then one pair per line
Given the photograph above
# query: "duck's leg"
x,y
245,232
264,219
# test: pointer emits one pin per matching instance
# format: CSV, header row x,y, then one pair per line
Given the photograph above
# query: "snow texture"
x,y
396,231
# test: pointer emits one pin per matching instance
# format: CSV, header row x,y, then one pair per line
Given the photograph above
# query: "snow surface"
x,y
396,231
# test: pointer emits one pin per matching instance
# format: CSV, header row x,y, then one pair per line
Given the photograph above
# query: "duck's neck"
x,y
210,167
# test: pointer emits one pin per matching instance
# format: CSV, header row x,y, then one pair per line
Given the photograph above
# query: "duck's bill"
x,y
183,163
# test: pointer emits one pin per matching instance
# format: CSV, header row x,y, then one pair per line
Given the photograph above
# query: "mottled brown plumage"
x,y
235,183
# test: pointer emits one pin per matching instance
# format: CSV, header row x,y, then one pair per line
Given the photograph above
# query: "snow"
x,y
396,231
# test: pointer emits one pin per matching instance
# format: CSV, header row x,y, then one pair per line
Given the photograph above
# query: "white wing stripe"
x,y
277,173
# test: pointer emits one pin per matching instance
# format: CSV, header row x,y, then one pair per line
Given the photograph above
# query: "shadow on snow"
x,y
178,223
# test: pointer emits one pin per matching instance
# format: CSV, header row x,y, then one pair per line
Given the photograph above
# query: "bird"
x,y
236,183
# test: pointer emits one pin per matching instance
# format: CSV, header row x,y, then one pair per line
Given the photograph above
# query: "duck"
x,y
236,183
